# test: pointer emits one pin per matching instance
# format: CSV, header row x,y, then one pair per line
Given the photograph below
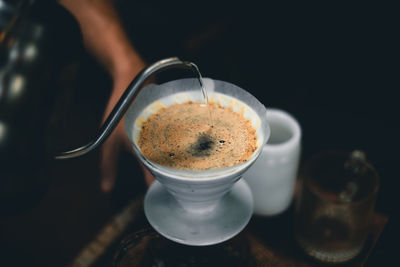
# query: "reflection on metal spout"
x,y
125,101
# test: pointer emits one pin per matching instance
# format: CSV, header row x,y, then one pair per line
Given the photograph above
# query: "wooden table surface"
x,y
269,240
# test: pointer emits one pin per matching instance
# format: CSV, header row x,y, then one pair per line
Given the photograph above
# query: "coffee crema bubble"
x,y
180,136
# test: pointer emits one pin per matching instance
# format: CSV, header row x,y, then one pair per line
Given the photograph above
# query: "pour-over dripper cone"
x,y
196,197
190,207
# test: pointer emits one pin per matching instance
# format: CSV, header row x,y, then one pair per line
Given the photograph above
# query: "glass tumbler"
x,y
335,205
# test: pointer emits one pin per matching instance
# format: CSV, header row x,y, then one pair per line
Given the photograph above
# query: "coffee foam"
x,y
195,96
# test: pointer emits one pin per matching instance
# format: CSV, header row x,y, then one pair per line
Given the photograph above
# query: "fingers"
x,y
109,157
109,163
109,160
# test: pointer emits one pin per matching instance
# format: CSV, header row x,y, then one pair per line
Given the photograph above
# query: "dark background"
x,y
331,65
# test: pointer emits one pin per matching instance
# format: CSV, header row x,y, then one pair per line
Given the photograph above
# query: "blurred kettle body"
x,y
29,64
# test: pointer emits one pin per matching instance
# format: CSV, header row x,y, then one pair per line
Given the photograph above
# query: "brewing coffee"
x,y
180,136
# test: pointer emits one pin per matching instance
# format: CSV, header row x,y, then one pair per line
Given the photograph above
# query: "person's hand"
x,y
118,140
105,39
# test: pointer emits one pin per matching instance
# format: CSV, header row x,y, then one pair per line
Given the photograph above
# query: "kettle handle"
x,y
124,102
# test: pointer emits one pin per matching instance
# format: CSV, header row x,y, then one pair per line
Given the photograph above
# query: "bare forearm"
x,y
104,36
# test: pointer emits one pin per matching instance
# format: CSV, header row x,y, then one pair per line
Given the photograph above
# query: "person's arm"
x,y
104,36
105,39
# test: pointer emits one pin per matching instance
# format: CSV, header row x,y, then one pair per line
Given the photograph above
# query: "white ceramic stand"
x,y
206,227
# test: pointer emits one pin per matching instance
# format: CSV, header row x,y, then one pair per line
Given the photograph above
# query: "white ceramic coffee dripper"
x,y
197,207
189,207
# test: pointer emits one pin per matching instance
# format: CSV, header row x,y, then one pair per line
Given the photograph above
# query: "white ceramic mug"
x,y
273,176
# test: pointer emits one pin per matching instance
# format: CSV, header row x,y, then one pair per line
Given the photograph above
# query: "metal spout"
x,y
123,104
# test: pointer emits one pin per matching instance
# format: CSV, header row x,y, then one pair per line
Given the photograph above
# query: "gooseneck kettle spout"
x,y
124,102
